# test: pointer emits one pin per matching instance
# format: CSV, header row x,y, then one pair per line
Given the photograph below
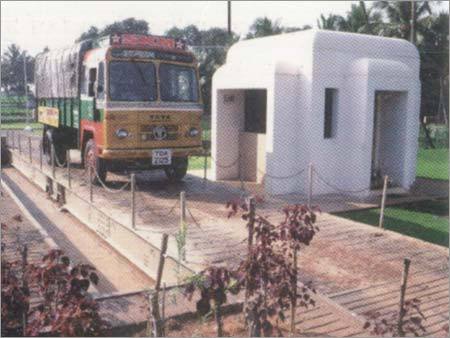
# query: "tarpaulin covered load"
x,y
57,72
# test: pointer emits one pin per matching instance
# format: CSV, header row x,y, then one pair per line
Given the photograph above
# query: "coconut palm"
x,y
331,22
401,16
361,19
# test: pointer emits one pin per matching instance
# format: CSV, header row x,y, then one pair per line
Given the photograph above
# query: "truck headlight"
x,y
121,133
193,132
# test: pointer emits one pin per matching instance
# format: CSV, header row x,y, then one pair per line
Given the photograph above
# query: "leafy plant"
x,y
213,285
392,325
66,307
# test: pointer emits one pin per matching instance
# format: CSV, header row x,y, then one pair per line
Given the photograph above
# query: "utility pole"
x,y
229,18
412,29
25,81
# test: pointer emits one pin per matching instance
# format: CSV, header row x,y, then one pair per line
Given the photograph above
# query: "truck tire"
x,y
177,170
96,163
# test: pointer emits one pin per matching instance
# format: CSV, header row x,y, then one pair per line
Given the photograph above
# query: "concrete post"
x,y
52,154
40,155
69,178
29,149
133,200
310,184
383,201
91,191
183,207
205,163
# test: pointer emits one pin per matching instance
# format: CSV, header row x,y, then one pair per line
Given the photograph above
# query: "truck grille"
x,y
147,132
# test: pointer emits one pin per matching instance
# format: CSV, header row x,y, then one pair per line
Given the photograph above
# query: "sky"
x,y
36,24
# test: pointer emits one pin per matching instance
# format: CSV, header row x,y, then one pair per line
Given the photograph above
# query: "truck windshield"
x,y
132,81
178,83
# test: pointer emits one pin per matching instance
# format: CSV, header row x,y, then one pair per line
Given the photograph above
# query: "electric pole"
x,y
25,86
412,29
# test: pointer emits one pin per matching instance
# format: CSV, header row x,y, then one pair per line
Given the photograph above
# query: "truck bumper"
x,y
130,154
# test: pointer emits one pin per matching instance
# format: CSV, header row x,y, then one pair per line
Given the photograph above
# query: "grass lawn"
x,y
426,220
433,163
21,125
197,162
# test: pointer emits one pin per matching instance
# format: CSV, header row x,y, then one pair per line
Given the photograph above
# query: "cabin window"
x,y
330,112
92,79
101,81
178,83
255,111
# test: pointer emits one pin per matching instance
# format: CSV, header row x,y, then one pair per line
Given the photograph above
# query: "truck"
x,y
126,101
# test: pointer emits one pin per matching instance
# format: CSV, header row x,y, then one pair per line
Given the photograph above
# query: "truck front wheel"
x,y
93,161
178,169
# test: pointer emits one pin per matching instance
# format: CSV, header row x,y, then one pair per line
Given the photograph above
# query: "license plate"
x,y
161,157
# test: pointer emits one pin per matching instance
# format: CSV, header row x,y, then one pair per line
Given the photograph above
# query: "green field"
x,y
198,162
426,220
433,163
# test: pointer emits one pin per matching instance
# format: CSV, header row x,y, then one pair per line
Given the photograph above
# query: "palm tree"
x,y
332,22
402,16
361,19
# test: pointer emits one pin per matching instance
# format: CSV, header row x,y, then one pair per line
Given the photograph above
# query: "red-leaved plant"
x,y
392,325
63,305
66,308
213,285
269,272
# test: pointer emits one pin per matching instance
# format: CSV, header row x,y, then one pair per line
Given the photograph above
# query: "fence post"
x,y
310,184
91,192
406,264
158,328
240,170
250,227
133,200
69,178
52,154
294,291
29,149
205,164
163,309
383,201
20,144
40,155
14,139
183,207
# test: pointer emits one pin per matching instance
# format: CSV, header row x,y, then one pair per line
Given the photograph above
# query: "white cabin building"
x,y
346,103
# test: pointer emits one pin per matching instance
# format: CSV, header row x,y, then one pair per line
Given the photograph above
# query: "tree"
x,y
361,19
433,48
210,48
332,22
264,27
12,70
296,29
130,25
400,17
430,35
